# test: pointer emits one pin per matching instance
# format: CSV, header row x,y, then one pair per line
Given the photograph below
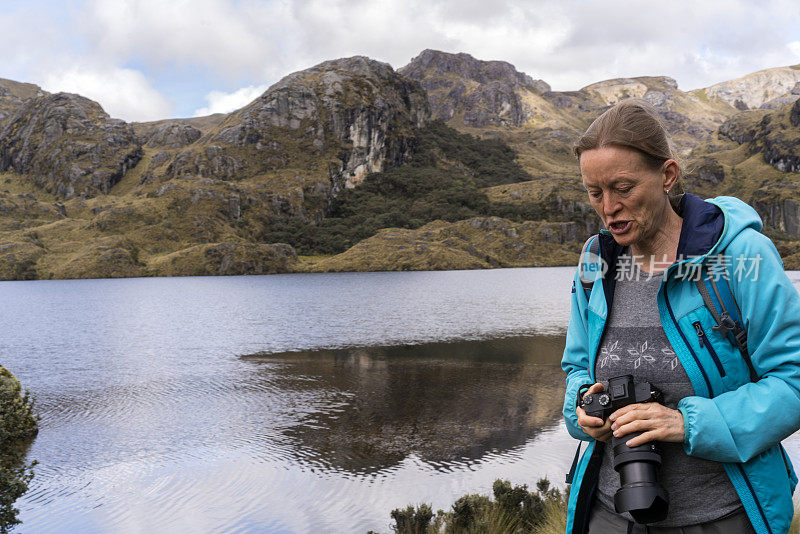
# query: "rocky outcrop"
x,y
477,93
18,260
618,89
477,243
355,113
68,145
706,171
105,257
775,134
218,259
687,118
780,101
780,214
14,94
173,135
756,89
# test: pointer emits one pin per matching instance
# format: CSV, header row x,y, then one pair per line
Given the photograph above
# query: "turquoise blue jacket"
x,y
729,419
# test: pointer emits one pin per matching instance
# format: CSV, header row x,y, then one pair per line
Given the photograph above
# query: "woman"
x,y
719,432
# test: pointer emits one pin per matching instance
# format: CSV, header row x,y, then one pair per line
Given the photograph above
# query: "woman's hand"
x,y
594,426
656,421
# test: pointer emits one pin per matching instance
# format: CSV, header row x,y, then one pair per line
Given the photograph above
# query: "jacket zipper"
x,y
688,346
755,497
711,394
704,342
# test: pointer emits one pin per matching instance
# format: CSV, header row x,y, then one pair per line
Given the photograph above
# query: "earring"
x,y
667,191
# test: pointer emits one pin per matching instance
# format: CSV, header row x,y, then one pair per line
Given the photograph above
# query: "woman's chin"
x,y
625,239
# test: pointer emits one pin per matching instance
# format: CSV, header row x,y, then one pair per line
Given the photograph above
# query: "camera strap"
x,y
571,473
723,307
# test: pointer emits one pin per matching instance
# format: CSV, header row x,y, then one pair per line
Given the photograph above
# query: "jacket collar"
x,y
702,227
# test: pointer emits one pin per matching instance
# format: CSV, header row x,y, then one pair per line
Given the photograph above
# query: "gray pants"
x,y
604,522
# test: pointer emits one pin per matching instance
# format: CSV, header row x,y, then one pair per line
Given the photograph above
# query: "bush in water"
x,y
18,427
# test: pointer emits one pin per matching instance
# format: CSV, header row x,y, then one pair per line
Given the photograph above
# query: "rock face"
x,y
482,93
209,195
68,145
781,214
776,134
757,89
173,135
688,118
14,94
355,113
470,93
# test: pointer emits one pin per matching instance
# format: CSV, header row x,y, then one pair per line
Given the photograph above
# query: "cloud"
x,y
231,44
794,46
219,102
123,93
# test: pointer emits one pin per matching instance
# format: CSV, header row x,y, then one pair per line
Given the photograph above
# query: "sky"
x,y
153,59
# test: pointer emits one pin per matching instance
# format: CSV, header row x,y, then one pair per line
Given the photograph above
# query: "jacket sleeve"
x,y
575,361
738,425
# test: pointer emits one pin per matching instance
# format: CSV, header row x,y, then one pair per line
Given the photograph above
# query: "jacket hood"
x,y
737,216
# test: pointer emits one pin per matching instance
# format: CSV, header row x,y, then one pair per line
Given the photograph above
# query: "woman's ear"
x,y
670,172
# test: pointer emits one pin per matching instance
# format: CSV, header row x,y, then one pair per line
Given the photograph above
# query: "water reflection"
x,y
444,402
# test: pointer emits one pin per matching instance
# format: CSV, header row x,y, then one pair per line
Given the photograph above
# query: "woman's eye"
x,y
595,194
625,190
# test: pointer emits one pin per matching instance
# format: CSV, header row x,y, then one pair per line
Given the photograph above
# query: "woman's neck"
x,y
660,251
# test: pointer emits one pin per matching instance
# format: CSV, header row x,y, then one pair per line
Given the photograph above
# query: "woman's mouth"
x,y
619,227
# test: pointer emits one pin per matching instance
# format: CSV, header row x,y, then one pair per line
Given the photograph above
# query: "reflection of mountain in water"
x,y
445,402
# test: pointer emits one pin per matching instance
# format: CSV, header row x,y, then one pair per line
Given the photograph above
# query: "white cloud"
x,y
236,43
219,102
794,46
123,93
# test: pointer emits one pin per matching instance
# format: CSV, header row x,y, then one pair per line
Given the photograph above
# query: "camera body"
x,y
640,492
621,391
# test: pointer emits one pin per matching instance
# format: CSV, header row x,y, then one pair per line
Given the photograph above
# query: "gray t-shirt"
x,y
634,343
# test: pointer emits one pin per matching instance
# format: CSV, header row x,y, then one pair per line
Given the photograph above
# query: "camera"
x,y
640,493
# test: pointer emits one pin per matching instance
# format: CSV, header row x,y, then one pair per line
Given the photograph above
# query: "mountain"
x,y
728,148
448,162
765,89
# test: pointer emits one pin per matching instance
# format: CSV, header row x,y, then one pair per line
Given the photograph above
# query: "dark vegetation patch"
x,y
442,181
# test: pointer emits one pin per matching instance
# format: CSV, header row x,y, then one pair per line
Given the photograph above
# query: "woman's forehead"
x,y
610,162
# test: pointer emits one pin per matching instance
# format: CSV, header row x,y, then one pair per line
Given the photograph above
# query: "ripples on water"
x,y
286,403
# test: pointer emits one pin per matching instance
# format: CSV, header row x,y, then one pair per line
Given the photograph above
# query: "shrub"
x,y
18,426
513,510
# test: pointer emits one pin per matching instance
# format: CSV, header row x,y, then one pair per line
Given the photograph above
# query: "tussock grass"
x,y
511,510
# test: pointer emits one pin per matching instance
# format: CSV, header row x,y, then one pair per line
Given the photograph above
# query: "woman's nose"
x,y
610,204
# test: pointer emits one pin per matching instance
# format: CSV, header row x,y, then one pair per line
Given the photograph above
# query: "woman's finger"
x,y
638,425
586,421
641,412
629,408
643,438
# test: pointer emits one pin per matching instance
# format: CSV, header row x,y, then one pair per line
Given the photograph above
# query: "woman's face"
x,y
628,196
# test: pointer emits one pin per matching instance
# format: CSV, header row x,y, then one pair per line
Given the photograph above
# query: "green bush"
x,y
18,426
513,510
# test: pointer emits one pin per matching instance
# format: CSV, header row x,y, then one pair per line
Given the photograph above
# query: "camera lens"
x,y
640,492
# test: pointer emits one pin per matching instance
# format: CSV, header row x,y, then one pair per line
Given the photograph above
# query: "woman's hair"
x,y
633,123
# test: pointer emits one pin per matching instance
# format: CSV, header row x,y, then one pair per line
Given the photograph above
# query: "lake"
x,y
286,403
